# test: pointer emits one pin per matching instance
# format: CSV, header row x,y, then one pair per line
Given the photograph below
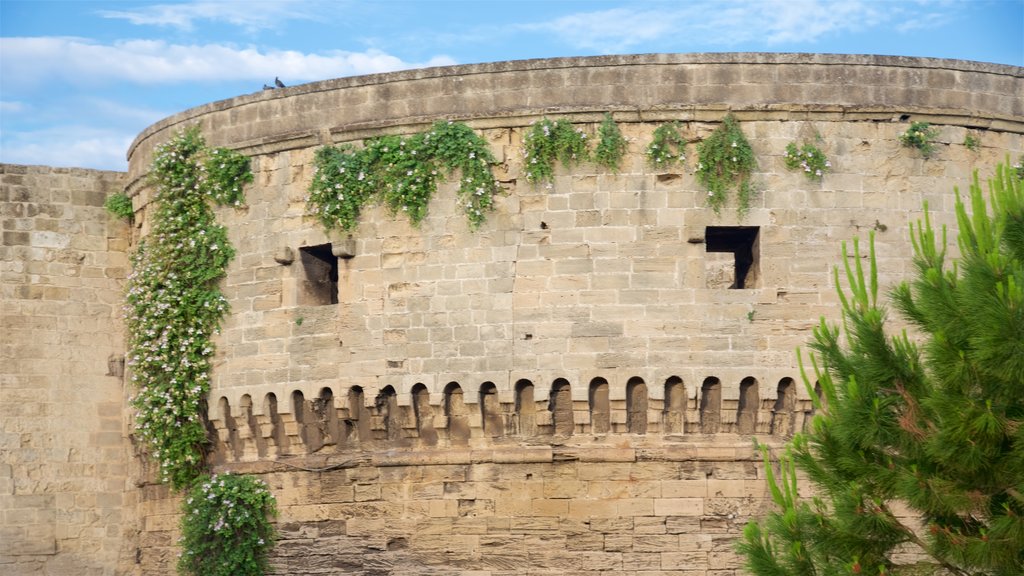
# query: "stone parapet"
x,y
650,86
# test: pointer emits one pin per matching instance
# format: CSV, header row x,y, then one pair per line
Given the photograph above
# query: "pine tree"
x,y
918,445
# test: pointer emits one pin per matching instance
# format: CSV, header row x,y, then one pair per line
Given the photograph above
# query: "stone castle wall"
x,y
64,461
574,388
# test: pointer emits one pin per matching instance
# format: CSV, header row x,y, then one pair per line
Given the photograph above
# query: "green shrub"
x,y
920,136
120,205
226,528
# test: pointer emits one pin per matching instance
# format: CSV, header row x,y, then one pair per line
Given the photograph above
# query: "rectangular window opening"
x,y
740,270
318,284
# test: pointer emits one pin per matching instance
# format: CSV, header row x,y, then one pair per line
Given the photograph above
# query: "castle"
x,y
574,388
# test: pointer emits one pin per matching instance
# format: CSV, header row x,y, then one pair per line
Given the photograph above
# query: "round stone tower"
x,y
575,386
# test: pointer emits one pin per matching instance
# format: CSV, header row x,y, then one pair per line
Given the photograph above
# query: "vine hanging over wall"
x,y
667,148
173,306
545,141
726,162
402,172
611,145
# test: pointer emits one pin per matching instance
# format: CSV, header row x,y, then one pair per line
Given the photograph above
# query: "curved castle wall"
x,y
574,387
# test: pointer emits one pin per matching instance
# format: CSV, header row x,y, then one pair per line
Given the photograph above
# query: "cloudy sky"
x,y
79,79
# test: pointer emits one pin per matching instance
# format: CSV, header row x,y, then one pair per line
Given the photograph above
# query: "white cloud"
x,y
68,146
78,60
615,30
732,22
13,106
253,15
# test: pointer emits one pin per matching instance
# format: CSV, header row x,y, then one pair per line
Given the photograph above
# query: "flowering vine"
x,y
173,306
546,141
611,144
402,172
808,158
726,161
225,527
667,148
920,136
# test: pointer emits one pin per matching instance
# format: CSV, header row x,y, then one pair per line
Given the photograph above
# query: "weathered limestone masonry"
x,y
63,458
572,389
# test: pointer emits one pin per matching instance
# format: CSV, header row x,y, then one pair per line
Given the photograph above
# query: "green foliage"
x,y
120,205
972,143
402,172
726,162
611,145
547,141
667,148
935,424
920,136
225,527
808,158
173,306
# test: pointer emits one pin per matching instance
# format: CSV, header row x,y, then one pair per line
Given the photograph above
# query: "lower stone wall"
x,y
63,456
638,506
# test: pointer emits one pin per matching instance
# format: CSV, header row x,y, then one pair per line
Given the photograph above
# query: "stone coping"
x,y
337,110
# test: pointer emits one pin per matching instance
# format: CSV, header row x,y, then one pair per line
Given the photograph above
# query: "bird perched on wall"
x,y
265,87
278,83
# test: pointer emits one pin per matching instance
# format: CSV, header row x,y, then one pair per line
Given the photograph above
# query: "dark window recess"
x,y
741,242
319,284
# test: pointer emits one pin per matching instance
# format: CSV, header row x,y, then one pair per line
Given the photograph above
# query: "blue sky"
x,y
79,79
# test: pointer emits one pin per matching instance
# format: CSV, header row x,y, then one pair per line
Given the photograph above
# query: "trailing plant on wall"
x,y
545,141
173,305
808,158
173,309
920,136
120,205
726,162
225,527
667,147
972,143
402,172
611,145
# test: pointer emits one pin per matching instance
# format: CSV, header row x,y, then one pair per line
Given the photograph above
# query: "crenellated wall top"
x,y
782,86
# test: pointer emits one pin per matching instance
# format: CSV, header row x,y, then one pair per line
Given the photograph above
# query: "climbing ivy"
x,y
726,162
545,141
667,147
402,172
611,145
173,306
